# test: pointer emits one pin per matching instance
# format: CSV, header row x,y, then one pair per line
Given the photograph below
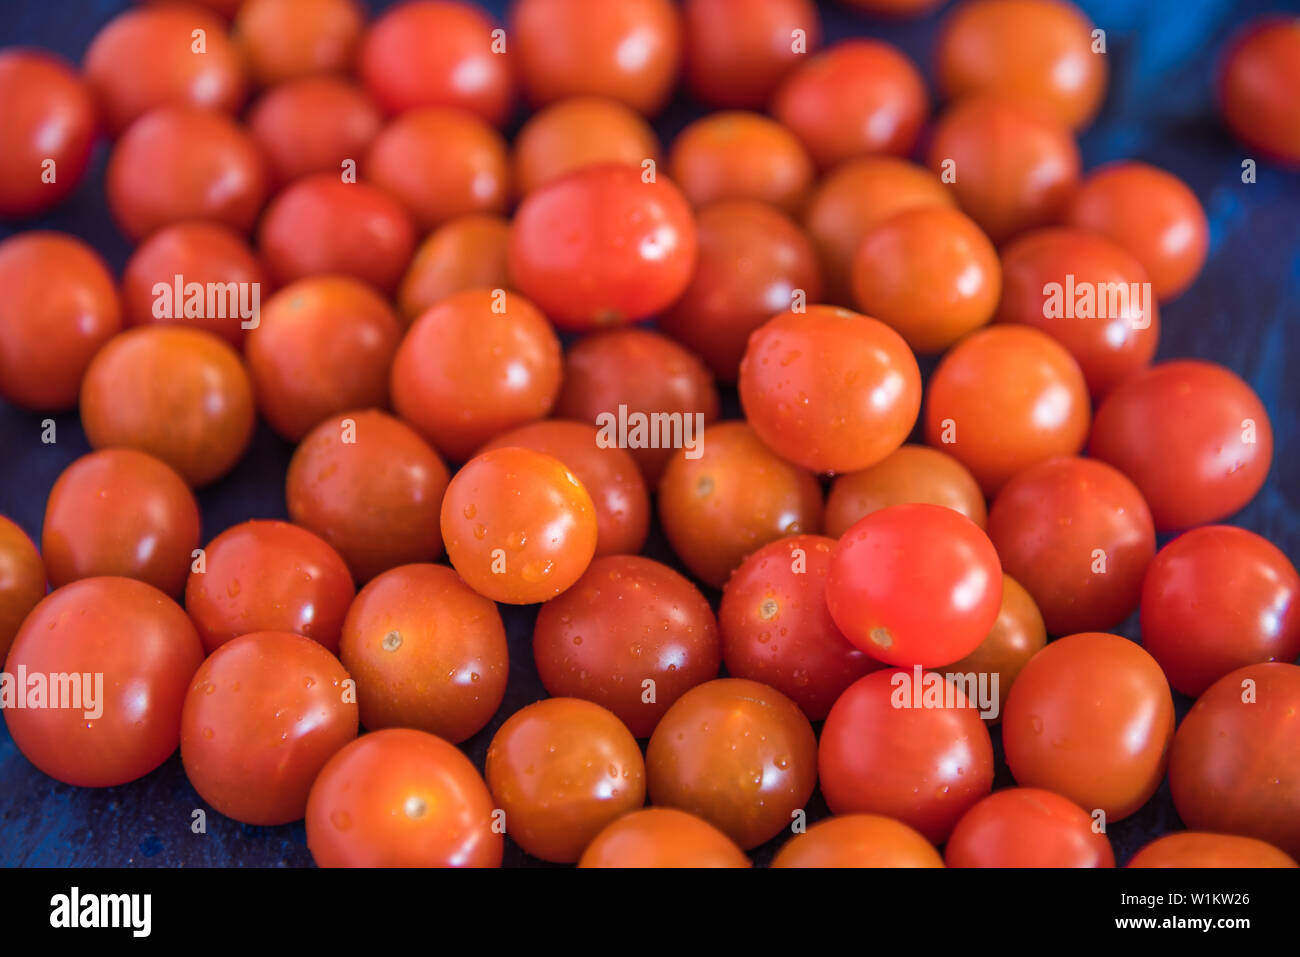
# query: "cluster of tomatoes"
x,y
337,259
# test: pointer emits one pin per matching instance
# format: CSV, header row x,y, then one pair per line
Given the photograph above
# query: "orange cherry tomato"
x,y
468,252
909,474
576,132
662,837
739,51
858,840
313,125
1256,87
1027,827
22,581
1199,849
739,155
284,40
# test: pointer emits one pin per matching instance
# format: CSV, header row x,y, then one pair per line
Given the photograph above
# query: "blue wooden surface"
x,y
1242,312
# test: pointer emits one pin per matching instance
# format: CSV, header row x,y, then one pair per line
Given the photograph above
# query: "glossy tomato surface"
x,y
858,840
735,154
739,51
580,131
22,581
468,252
1200,849
316,124
662,837
910,474
283,40
1028,827
1257,77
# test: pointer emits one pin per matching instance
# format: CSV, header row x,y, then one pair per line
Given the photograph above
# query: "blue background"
x,y
1241,312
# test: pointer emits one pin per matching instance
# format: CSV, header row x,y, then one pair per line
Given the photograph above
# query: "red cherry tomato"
x,y
1256,87
739,155
313,125
284,40
910,474
739,51
468,252
576,132
662,837
1198,849
1027,827
22,581
858,840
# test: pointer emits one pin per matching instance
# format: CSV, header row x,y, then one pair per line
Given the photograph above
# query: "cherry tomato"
x,y
371,487
284,40
478,363
632,256
1198,849
205,253
1191,435
401,798
858,840
313,125
180,394
1089,295
22,581
608,473
739,754
435,53
627,51
1151,214
1006,398
739,51
142,651
830,389
662,837
1217,599
1091,718
120,512
562,769
910,474
468,252
262,716
930,274
924,766
518,525
1235,765
177,163
144,59
576,132
48,126
646,374
739,155
59,306
914,585
632,635
1011,167
426,652
324,345
268,576
854,98
1256,87
731,496
1027,827
776,628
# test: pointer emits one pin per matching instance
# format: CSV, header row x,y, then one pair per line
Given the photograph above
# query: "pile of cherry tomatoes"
x,y
409,275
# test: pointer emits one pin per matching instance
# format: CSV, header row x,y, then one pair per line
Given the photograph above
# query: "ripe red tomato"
x,y
1216,599
401,798
1005,398
576,132
914,585
738,51
740,155
268,576
858,840
662,837
1027,827
120,512
262,716
1091,718
478,363
1256,87
729,498
854,98
59,306
313,125
284,40
183,162
367,484
562,769
518,525
178,393
910,474
49,118
829,389
1198,849
1191,435
1235,765
468,252
22,581
631,635
777,630
426,652
924,766
143,650
631,256
739,754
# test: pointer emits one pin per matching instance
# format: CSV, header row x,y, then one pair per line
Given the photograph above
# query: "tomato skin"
x,y
146,649
262,715
1216,599
283,40
777,630
1235,763
1192,435
60,305
910,474
634,256
49,115
662,837
1091,718
313,125
1198,849
426,652
264,575
562,769
858,840
22,581
369,806
914,585
922,766
1027,827
368,485
739,754
580,131
1256,87
829,389
626,620
740,155
738,51
468,252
